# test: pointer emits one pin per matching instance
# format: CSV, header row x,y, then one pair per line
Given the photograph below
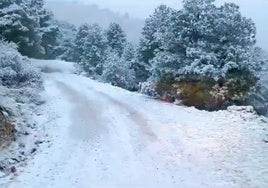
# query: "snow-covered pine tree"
x,y
29,24
218,45
130,56
47,29
90,48
17,24
156,23
116,38
50,34
66,41
204,44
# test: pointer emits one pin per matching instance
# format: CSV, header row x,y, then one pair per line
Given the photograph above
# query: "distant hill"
x,y
78,13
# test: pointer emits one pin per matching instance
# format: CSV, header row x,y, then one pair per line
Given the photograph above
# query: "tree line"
x,y
202,55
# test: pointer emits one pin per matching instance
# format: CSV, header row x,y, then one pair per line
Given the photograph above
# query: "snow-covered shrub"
x,y
148,88
15,70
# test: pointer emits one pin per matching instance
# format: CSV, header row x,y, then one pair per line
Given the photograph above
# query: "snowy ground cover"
x,y
94,135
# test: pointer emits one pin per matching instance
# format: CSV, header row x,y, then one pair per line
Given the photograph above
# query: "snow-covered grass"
x,y
96,135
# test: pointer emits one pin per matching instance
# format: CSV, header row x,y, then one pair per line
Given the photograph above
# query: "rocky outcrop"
x,y
7,130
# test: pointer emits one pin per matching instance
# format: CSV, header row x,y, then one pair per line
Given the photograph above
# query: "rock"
x,y
246,109
259,102
33,150
2,168
13,169
38,142
7,130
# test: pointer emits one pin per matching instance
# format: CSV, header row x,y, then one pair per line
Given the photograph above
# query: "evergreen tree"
x,y
204,44
17,24
116,38
154,25
50,34
90,48
65,49
131,55
29,24
48,31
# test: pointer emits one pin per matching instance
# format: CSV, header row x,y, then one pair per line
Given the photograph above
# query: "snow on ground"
x,y
103,137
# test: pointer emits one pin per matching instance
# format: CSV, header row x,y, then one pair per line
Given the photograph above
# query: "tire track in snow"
x,y
134,116
88,121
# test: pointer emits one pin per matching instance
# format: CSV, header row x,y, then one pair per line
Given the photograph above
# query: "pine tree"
x,y
30,25
50,34
48,31
116,38
17,24
131,56
154,25
65,49
90,48
207,46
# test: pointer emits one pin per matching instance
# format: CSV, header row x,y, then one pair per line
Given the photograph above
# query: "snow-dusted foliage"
x,y
218,40
130,55
155,23
18,24
116,38
148,88
14,69
210,41
28,23
117,71
107,55
90,48
66,41
50,35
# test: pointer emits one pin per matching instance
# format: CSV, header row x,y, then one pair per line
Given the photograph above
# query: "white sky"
x,y
256,9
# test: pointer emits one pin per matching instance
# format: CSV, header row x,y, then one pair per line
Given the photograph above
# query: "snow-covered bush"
x,y
148,88
14,68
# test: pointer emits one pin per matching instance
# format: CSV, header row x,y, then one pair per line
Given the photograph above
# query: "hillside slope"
x,y
92,14
102,136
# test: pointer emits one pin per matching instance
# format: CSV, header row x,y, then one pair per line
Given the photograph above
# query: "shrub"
x,y
15,70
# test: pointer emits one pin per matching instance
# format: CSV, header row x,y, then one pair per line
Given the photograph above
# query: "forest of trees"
x,y
201,55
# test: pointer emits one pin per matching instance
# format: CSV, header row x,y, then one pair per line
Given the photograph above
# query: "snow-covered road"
x,y
105,137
